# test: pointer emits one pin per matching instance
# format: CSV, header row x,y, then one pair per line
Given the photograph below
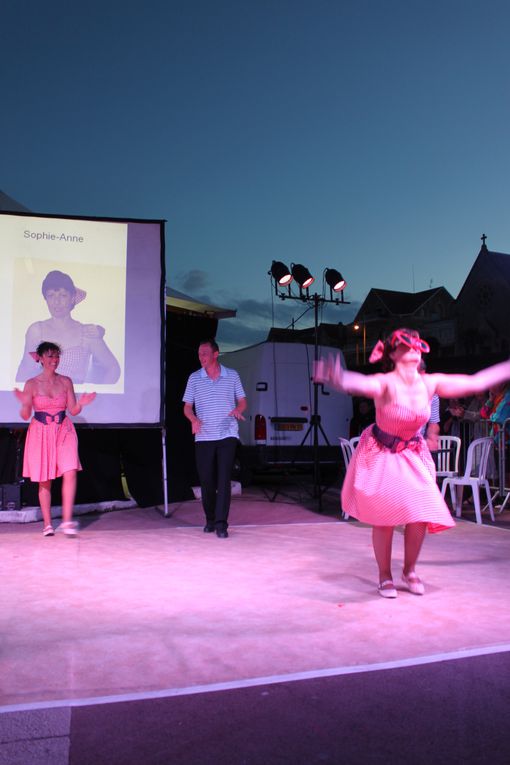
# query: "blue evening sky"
x,y
366,135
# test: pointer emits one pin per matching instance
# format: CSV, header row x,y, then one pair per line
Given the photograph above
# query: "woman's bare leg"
x,y
413,539
45,501
382,538
68,495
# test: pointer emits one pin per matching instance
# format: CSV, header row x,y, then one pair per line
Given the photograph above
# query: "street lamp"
x,y
363,327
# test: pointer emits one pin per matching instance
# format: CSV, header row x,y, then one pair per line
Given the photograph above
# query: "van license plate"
x,y
288,425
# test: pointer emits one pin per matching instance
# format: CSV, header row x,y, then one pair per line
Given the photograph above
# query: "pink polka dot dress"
x,y
392,488
51,449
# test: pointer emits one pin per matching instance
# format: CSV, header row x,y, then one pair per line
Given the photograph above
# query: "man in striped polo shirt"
x,y
214,400
432,428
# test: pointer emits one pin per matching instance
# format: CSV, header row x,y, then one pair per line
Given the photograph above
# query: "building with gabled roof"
x,y
482,308
430,311
389,304
467,333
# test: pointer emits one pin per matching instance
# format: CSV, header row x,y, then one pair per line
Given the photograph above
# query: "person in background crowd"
x,y
497,407
455,413
364,415
431,430
472,411
214,400
390,480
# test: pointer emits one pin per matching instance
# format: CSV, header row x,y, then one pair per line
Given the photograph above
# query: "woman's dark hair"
x,y
46,346
57,280
388,364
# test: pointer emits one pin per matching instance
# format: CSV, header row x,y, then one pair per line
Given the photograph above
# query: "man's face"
x,y
206,355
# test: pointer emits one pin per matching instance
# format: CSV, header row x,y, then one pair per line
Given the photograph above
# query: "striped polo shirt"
x,y
435,416
213,400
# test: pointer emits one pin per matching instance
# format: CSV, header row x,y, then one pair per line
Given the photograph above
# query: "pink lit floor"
x,y
144,606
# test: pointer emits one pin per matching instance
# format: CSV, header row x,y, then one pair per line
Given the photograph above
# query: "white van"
x,y
279,430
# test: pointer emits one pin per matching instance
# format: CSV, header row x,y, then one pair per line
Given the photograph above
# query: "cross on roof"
x,y
483,238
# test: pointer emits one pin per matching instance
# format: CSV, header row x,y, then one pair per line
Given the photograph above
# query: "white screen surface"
x,y
111,339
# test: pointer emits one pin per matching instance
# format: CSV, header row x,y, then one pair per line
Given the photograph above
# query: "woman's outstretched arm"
x,y
454,386
330,372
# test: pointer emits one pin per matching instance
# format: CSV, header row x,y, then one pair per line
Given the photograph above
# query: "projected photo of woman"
x,y
85,355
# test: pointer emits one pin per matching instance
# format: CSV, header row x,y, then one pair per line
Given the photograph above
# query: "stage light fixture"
x,y
335,279
302,275
281,273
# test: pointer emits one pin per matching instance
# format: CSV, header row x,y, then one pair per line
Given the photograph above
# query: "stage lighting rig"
x,y
281,276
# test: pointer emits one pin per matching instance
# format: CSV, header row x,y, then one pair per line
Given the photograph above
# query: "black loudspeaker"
x,y
10,496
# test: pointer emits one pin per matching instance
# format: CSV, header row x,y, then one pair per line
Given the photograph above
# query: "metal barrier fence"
x,y
496,472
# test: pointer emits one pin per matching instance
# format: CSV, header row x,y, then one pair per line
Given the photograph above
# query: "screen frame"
x,y
160,421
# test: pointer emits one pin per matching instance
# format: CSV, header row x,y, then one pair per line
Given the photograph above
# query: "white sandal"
x,y
387,592
48,531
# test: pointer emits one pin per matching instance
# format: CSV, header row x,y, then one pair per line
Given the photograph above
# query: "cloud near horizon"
x,y
193,280
255,318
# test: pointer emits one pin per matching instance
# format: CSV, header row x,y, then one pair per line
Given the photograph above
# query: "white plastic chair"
x,y
448,455
347,452
354,442
474,476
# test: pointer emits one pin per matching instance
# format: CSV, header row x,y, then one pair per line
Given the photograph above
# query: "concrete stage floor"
x,y
142,606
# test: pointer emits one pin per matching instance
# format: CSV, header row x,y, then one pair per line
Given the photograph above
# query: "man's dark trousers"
x,y
215,460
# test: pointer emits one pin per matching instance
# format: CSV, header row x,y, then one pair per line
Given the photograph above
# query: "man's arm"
x,y
432,435
189,413
239,409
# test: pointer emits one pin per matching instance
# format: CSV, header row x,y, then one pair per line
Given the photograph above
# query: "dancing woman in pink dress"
x,y
51,447
391,479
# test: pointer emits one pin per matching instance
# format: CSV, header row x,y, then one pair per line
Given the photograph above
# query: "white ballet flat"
x,y
414,583
387,592
69,528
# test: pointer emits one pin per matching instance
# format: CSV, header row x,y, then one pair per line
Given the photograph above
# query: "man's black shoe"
x,y
209,528
222,533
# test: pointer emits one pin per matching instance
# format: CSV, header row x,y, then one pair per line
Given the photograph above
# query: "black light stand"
x,y
337,283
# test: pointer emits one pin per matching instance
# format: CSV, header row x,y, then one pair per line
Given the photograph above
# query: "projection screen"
x,y
112,330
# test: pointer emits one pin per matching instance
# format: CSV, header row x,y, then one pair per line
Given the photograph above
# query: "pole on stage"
x,y
165,475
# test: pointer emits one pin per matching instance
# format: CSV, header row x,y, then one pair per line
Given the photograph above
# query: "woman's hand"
x,y
329,371
25,399
320,371
86,398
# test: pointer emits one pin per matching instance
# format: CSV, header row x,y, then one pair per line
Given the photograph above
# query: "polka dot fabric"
x,y
51,449
385,488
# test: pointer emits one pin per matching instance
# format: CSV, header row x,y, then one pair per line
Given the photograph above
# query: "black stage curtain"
x,y
141,455
11,454
184,334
